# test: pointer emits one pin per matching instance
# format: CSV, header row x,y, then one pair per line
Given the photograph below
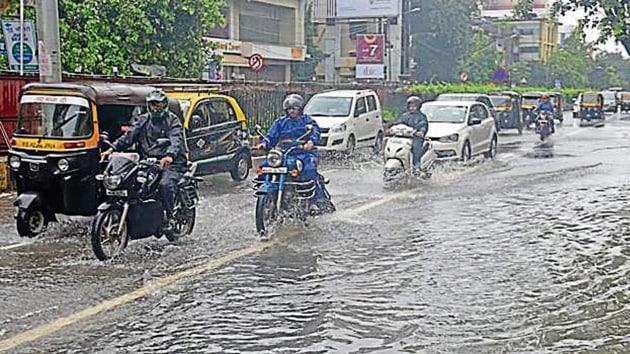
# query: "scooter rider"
x,y
545,106
158,123
417,120
290,127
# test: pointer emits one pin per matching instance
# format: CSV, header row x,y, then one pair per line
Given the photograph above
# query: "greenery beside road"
x,y
481,88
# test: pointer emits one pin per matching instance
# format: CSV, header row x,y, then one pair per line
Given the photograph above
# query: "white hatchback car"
x,y
461,130
347,119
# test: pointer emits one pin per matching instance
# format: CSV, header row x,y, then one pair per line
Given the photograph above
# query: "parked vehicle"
x,y
216,130
460,130
592,109
624,101
55,150
133,209
347,119
508,110
529,103
399,156
282,192
485,99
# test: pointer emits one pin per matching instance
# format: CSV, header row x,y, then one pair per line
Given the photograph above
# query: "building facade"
x,y
271,28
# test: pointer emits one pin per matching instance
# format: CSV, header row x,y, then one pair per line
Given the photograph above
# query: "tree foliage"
x,y
482,58
611,17
98,35
305,71
524,10
571,64
441,36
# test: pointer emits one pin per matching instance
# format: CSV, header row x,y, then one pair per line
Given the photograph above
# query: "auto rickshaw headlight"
x,y
274,158
112,182
15,162
63,165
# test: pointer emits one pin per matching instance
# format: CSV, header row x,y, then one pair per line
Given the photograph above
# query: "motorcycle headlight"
x,y
450,138
15,162
112,182
339,128
274,158
300,165
63,165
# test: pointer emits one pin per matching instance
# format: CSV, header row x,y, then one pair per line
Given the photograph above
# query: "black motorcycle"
x,y
133,209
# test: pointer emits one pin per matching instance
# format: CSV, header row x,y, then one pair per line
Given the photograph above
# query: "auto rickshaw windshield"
x,y
529,100
185,105
501,101
64,117
590,99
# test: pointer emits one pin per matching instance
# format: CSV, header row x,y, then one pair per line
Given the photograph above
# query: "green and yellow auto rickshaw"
x,y
529,103
55,150
558,105
591,109
507,105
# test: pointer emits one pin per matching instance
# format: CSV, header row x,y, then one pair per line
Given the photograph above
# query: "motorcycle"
x,y
543,125
399,156
133,209
282,192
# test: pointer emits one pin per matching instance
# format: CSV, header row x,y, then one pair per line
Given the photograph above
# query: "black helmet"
x,y
293,101
415,100
157,96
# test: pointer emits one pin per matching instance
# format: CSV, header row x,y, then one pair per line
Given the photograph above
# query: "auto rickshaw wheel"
x,y
240,170
31,223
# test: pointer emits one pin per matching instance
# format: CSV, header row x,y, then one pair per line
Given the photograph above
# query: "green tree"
x,y
441,36
305,71
98,35
482,58
572,63
611,17
524,10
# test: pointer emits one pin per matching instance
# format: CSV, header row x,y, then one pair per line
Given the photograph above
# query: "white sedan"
x,y
460,130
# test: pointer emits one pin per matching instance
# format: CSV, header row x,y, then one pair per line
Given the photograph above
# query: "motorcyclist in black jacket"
x,y
417,120
158,123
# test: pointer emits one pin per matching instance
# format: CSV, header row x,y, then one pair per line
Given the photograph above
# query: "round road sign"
x,y
256,62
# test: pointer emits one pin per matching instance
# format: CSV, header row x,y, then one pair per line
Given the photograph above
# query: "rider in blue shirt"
x,y
545,105
290,127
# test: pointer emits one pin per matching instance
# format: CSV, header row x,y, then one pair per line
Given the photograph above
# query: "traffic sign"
x,y
558,84
463,76
256,62
500,75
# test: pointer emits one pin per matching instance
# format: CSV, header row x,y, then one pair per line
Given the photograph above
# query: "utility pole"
x,y
47,12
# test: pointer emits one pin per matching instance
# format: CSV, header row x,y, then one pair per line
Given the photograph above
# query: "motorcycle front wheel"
x,y
184,224
265,213
106,241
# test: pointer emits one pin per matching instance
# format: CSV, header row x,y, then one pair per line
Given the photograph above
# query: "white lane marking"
x,y
15,245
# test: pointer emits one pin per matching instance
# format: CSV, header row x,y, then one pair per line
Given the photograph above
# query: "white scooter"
x,y
399,156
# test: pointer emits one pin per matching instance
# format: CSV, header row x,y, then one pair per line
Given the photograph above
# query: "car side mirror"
x,y
359,112
196,120
475,121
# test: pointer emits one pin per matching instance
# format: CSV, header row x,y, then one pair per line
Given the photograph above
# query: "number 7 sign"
x,y
370,49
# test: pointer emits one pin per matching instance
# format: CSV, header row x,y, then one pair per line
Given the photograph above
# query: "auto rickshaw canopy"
x,y
592,99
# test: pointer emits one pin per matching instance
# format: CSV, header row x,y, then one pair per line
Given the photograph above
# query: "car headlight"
x,y
339,128
274,158
63,165
450,138
15,162
112,182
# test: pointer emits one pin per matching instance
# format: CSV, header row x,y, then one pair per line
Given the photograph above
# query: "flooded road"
x,y
524,254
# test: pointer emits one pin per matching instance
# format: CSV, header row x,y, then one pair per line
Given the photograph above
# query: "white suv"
x,y
348,119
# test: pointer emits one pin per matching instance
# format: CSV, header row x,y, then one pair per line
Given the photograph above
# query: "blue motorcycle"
x,y
282,192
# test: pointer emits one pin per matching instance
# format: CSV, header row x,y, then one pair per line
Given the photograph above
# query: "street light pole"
x,y
47,12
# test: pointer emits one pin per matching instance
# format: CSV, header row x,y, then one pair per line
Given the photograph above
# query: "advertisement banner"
x,y
11,30
370,49
368,8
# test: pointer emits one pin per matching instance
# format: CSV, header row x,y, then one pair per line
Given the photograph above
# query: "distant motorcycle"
x,y
399,156
282,192
543,125
134,210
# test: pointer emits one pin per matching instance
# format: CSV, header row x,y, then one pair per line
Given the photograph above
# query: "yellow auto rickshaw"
x,y
216,129
592,109
55,151
529,103
558,105
508,107
624,101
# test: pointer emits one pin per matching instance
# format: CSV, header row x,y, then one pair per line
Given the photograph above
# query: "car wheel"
x,y
351,145
378,144
492,151
466,152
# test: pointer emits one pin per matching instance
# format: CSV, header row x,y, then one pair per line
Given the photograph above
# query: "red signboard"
x,y
256,62
370,49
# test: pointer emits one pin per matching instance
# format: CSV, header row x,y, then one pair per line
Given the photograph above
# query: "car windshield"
x,y
326,106
455,98
608,96
185,105
54,116
500,101
445,114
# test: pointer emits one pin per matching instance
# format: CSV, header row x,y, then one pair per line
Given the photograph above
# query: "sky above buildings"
x,y
593,34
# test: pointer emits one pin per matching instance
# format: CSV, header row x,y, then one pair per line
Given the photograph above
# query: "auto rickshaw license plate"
x,y
275,170
118,193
